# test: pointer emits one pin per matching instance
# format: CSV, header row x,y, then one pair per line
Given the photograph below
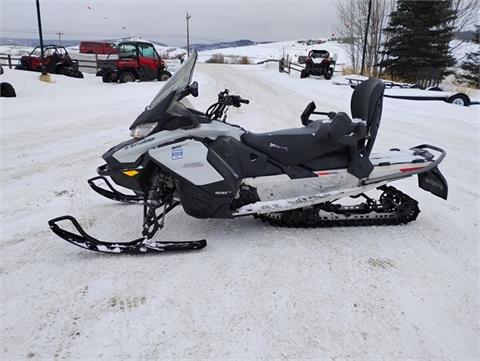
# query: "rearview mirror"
x,y
193,89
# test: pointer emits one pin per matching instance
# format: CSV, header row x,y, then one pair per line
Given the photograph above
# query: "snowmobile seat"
x,y
296,146
325,144
367,104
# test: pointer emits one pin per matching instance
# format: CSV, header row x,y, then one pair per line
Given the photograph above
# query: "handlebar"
x,y
219,109
235,100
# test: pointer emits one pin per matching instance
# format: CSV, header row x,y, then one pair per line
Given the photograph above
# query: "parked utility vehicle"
x,y
318,62
135,61
56,61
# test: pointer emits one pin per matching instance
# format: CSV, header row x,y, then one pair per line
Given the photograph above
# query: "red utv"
x,y
318,62
135,60
56,61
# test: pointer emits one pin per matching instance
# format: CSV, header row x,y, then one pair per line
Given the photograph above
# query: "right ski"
x,y
140,245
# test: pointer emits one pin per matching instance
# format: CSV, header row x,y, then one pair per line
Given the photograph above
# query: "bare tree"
x,y
346,30
351,27
467,14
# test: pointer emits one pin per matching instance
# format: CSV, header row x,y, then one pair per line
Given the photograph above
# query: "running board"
x,y
302,201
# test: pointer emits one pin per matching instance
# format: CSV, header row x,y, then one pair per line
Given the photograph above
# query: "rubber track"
x,y
302,219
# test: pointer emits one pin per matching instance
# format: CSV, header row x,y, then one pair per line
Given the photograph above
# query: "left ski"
x,y
140,245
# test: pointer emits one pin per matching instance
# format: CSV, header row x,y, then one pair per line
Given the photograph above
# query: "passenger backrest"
x,y
366,104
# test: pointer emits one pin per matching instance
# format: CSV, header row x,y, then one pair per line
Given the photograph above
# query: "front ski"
x,y
140,245
112,193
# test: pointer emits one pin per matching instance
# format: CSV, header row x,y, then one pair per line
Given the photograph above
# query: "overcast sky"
x,y
165,20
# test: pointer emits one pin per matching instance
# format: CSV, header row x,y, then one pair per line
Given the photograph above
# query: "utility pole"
x,y
59,37
188,17
41,37
366,37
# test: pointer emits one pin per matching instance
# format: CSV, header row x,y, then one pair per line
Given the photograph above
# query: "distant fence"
x,y
428,77
87,63
7,59
286,66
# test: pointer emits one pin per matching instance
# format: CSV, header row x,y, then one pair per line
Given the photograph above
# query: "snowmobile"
x,y
293,177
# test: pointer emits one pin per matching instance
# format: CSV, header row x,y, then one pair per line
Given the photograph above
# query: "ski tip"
x,y
202,244
53,222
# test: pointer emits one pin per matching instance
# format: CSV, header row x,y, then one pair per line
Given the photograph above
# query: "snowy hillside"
x,y
277,50
256,292
15,50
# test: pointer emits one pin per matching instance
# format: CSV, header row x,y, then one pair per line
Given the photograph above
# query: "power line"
x,y
91,33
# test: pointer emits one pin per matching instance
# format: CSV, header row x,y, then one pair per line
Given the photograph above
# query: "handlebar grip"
x,y
244,101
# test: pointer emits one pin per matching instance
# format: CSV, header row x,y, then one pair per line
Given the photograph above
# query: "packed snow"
x,y
256,292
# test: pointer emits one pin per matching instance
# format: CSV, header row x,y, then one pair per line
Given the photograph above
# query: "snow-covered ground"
x,y
256,292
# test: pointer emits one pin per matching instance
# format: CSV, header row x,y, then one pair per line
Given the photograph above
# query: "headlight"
x,y
142,130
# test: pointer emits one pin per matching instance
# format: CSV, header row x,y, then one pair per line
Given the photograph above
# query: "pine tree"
x,y
470,68
419,33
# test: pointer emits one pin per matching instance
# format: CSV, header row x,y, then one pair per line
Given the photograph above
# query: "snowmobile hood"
x,y
171,92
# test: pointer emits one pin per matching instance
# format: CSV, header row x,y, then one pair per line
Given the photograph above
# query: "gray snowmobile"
x,y
293,177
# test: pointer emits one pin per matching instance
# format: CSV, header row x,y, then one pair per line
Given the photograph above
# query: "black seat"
x,y
298,145
367,104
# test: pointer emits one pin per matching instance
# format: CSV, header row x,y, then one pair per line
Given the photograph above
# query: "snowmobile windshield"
x,y
169,93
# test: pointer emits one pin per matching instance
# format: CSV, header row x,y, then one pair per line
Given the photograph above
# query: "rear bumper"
x,y
429,176
317,69
434,182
